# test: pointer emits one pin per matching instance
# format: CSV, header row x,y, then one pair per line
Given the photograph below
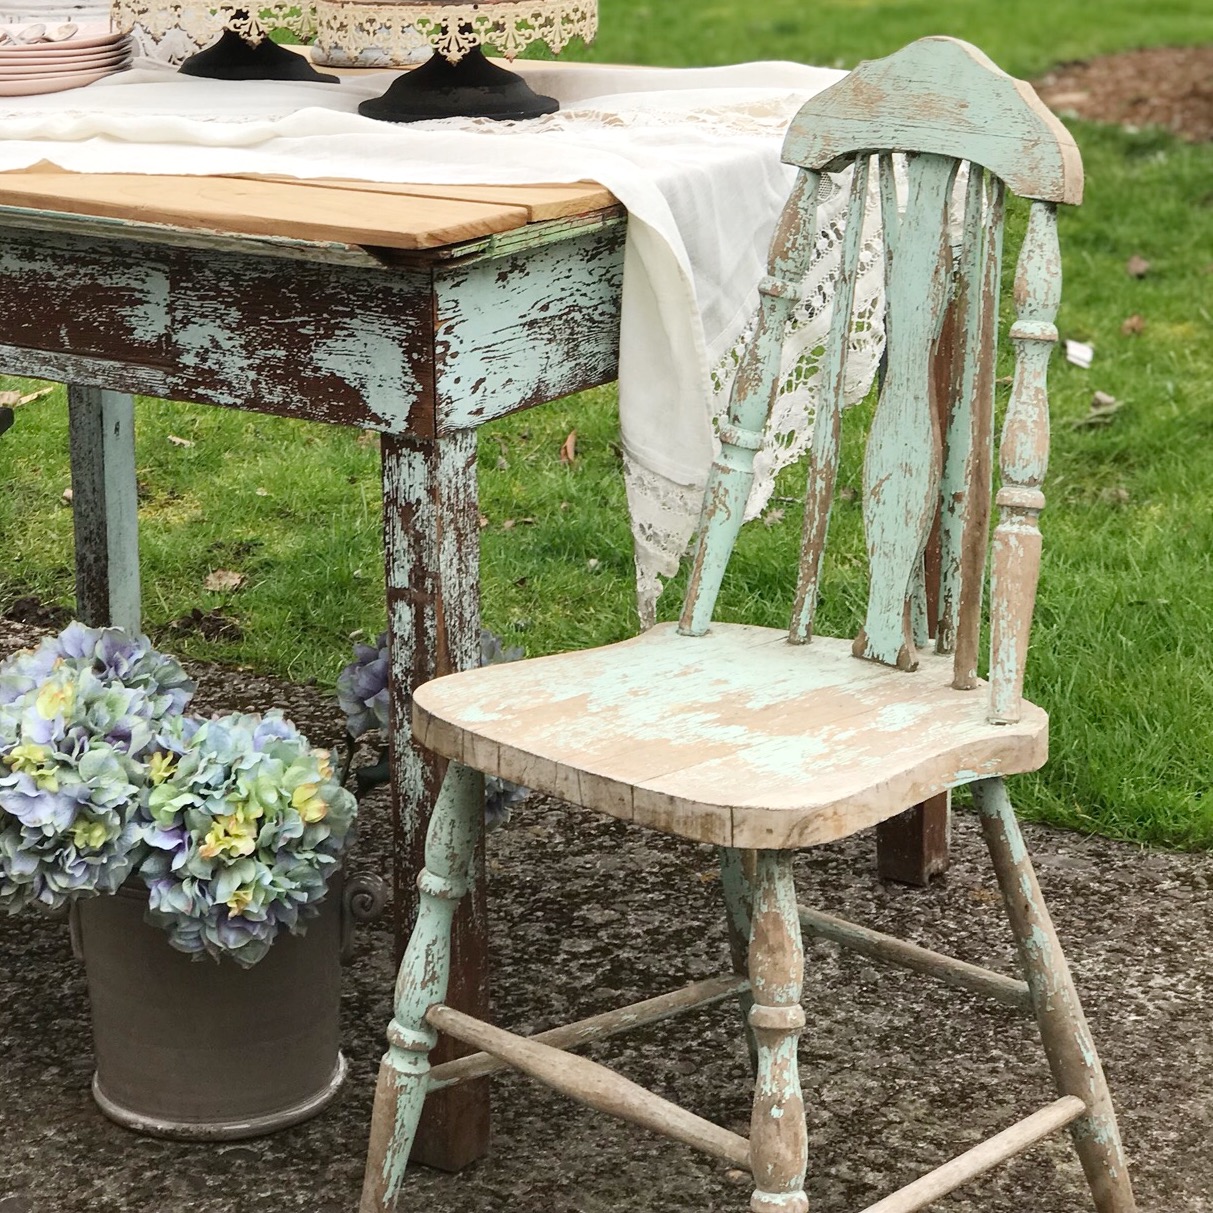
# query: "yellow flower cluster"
x,y
231,837
37,762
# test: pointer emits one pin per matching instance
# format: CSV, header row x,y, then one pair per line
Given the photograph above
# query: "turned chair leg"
x,y
422,982
1063,1027
779,1141
736,870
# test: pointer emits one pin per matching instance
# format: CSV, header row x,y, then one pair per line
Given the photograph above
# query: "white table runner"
x,y
693,154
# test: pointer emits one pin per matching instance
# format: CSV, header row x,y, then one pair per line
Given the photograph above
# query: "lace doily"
x,y
664,514
171,32
350,32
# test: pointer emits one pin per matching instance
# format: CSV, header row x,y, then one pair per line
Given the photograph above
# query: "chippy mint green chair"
x,y
763,741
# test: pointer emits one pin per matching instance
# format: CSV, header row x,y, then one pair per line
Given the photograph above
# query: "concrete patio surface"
x,y
899,1073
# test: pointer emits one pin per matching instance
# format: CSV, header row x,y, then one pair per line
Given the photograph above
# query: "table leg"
x,y
912,847
432,551
105,509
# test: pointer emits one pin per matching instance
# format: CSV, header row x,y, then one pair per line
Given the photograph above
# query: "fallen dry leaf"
x,y
223,579
1100,412
1137,266
568,452
484,521
180,441
213,625
508,524
12,399
773,517
1133,325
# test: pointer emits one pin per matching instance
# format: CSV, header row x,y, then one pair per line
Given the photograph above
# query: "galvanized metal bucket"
x,y
202,1050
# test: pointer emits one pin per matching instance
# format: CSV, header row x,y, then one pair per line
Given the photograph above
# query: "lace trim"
x,y
350,32
664,514
170,33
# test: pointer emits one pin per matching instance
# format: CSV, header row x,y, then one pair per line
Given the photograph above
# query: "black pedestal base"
x,y
471,88
231,58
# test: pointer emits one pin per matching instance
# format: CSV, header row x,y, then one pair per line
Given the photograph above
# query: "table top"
x,y
321,210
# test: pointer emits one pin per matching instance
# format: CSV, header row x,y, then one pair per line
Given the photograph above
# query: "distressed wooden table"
x,y
419,312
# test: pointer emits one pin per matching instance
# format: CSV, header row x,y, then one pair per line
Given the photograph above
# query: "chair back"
x,y
938,133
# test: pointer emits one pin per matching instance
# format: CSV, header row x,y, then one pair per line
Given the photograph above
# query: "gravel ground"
x,y
587,914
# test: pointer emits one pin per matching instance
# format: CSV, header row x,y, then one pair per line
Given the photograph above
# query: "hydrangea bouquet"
x,y
234,824
362,692
79,718
245,822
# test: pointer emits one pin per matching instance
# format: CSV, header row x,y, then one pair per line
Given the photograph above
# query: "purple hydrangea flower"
x,y
362,689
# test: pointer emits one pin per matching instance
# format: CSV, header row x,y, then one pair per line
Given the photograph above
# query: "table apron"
x,y
424,349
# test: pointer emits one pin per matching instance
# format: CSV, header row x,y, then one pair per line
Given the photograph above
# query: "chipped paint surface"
x,y
421,983
520,330
1023,456
737,736
1063,1027
778,1134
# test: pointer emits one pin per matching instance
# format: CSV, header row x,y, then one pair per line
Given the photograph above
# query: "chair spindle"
x,y
754,389
1023,460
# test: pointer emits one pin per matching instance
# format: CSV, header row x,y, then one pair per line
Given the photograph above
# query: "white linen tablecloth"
x,y
692,153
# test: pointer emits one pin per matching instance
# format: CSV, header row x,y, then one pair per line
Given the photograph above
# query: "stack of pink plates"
x,y
51,58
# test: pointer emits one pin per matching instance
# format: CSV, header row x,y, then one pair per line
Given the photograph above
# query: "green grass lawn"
x,y
1125,614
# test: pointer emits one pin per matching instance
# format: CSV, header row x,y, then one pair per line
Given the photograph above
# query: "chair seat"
x,y
736,737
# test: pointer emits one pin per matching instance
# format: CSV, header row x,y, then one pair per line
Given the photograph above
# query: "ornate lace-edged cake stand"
x,y
457,79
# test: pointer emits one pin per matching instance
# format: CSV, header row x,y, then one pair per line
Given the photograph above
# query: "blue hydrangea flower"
x,y
244,823
362,689
78,716
362,692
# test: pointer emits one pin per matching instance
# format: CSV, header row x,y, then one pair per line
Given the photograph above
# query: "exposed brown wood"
x,y
598,1027
779,1140
981,1158
347,343
595,1086
540,201
912,848
432,545
809,744
265,208
889,950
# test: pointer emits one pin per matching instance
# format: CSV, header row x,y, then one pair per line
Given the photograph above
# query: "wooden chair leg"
x,y
1063,1027
736,870
779,1141
422,982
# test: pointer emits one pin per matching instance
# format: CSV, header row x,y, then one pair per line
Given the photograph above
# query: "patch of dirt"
x,y
1168,87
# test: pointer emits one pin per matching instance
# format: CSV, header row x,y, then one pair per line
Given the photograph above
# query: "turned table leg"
x,y
432,554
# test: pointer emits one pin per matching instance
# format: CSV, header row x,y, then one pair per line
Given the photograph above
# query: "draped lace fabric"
x,y
169,32
350,32
693,154
664,513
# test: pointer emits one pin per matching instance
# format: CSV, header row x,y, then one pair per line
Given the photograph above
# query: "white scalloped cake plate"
x,y
29,86
86,36
78,55
81,63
